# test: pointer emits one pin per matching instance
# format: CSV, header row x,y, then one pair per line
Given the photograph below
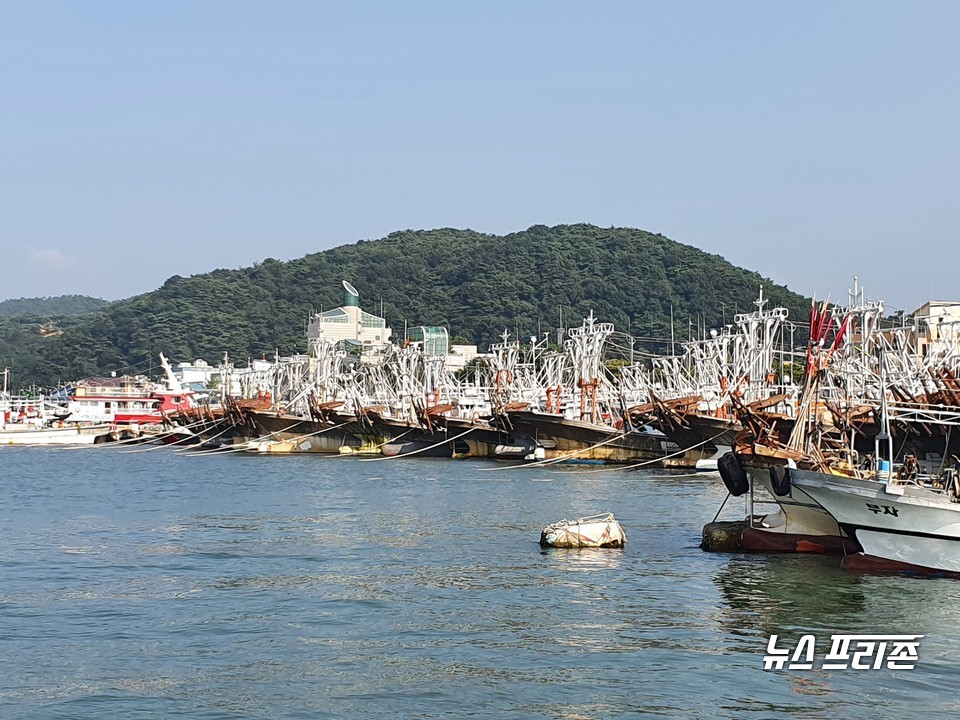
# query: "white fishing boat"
x,y
912,524
61,434
798,524
29,420
901,504
832,422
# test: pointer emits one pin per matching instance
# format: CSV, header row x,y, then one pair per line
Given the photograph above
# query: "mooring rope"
x,y
551,461
114,443
298,438
244,446
650,462
415,452
175,442
186,449
644,463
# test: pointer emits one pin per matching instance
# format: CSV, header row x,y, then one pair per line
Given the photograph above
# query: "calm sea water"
x,y
152,584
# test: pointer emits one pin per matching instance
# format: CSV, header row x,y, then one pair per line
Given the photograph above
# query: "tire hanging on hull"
x,y
780,480
733,475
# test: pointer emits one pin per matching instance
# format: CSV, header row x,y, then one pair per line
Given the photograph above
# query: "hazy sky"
x,y
808,141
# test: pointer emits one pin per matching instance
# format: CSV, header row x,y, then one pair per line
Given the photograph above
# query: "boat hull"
x,y
420,448
564,439
799,514
280,433
449,437
712,436
761,540
78,435
901,523
481,441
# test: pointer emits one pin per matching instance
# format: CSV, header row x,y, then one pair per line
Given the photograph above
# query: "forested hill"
x,y
51,307
475,284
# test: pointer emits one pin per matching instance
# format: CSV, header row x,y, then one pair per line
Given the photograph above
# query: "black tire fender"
x,y
780,480
733,475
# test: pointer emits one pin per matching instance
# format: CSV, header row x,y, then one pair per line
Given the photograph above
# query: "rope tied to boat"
x,y
415,452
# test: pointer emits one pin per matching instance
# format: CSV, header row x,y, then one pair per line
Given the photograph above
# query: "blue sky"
x,y
810,142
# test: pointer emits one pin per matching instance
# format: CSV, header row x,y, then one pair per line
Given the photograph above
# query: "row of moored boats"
x,y
849,442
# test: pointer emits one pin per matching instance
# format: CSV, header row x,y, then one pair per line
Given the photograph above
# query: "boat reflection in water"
x,y
772,594
795,595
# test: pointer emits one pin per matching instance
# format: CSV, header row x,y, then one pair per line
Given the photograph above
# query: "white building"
x,y
938,327
199,371
348,322
460,356
201,377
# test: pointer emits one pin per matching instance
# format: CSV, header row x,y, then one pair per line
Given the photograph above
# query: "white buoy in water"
x,y
596,531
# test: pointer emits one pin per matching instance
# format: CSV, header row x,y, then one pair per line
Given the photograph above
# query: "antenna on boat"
x,y
172,382
885,434
673,348
760,302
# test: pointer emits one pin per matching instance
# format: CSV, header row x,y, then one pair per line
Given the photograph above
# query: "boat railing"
x,y
939,484
928,476
112,391
922,413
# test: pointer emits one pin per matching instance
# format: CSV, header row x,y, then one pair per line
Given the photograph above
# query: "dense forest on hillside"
x,y
475,284
51,307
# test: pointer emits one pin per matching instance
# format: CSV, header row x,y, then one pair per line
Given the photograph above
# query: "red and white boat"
x,y
129,403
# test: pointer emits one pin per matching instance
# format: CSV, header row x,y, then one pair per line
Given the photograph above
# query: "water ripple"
x,y
310,587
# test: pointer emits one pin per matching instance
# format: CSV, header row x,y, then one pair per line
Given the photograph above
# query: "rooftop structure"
x,y
938,327
433,340
348,323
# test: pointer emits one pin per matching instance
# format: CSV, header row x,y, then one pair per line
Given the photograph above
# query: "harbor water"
x,y
146,583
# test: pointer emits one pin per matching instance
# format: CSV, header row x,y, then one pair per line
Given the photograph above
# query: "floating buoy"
x,y
596,531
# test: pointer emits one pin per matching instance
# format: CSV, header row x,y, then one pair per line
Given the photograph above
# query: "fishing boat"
x,y
477,437
905,521
693,399
276,431
421,448
31,420
902,506
131,403
566,406
797,524
708,435
57,433
831,425
555,437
